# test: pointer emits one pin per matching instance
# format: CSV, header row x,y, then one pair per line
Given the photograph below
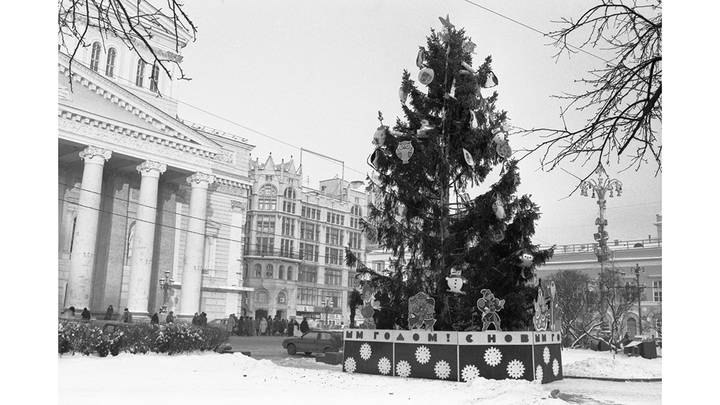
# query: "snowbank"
x,y
234,378
588,363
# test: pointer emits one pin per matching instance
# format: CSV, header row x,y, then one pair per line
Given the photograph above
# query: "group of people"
x,y
126,316
199,319
247,326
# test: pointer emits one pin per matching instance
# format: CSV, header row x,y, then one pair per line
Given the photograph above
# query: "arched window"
x,y
155,78
140,73
267,199
269,270
258,270
289,202
95,56
110,66
289,273
282,298
281,272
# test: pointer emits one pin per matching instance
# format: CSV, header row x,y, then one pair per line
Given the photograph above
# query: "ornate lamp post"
x,y
603,187
166,283
326,308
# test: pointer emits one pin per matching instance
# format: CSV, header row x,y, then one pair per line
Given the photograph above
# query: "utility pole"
x,y
639,291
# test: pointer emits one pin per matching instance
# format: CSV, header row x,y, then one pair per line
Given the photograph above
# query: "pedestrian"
x,y
230,327
196,319
291,327
68,313
304,327
109,313
85,314
126,316
203,319
155,319
263,326
170,318
256,326
283,326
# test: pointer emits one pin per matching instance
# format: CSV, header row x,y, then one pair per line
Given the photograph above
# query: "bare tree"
x,y
134,22
623,98
616,301
578,304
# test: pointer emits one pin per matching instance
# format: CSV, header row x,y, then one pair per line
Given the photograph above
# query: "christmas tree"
x,y
451,138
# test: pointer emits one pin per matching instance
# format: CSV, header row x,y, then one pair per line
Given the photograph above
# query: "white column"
x,y
82,259
141,264
195,244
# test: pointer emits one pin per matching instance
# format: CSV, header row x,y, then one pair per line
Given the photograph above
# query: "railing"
x,y
613,245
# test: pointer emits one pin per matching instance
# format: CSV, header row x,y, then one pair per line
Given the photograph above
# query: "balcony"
x,y
615,245
272,253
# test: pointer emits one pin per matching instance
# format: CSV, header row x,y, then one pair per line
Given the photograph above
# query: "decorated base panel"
x,y
454,356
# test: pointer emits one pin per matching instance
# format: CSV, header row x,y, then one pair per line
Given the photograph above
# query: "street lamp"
x,y
326,308
638,269
601,188
166,284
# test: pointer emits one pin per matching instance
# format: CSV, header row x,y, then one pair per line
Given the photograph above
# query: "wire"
x,y
522,24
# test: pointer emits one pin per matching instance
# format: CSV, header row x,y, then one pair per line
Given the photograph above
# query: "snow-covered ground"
x,y
233,379
588,363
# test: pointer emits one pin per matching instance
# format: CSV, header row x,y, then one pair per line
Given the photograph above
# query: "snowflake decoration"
x,y
350,365
442,369
556,367
470,373
539,373
403,368
515,369
546,355
422,354
365,351
384,366
493,357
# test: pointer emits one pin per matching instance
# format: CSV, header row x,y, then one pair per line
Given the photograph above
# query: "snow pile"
x,y
234,378
588,363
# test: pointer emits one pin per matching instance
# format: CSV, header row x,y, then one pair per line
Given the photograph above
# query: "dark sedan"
x,y
314,342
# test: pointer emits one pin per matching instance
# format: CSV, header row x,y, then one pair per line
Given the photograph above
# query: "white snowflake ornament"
x,y
515,369
350,365
384,366
402,368
556,367
539,374
493,357
546,355
470,373
365,351
422,354
442,369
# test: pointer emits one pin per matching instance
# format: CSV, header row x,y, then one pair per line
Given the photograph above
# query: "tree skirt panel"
x,y
547,351
495,355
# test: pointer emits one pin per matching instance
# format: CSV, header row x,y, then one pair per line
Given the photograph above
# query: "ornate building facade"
x,y
143,195
296,236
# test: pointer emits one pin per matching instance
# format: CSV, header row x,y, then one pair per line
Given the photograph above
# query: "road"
x,y
589,392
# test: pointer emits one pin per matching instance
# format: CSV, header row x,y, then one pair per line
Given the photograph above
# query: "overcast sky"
x,y
315,73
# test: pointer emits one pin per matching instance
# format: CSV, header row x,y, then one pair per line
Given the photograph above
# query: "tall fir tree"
x,y
412,215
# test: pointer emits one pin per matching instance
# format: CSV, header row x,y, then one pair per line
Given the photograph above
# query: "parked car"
x,y
314,341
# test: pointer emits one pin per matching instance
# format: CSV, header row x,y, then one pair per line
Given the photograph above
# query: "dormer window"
x,y
154,77
140,73
95,56
110,66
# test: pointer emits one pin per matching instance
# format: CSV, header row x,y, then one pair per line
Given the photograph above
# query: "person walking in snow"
x,y
126,316
170,317
155,319
304,327
85,314
109,313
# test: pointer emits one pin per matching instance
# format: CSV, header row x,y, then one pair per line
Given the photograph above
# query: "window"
x,y
140,73
281,272
110,65
307,296
266,224
310,231
309,252
286,248
288,226
265,245
311,213
289,202
356,210
289,193
354,240
333,277
331,297
333,256
268,177
269,271
258,270
290,273
657,290
334,236
267,199
307,274
155,77
95,56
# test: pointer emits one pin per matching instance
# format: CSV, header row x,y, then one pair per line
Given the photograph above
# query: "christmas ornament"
x,y
403,95
420,59
498,138
455,281
375,159
468,157
540,319
498,209
375,304
379,136
489,306
424,130
426,76
526,260
446,22
503,149
468,46
473,120
490,80
497,235
405,151
421,311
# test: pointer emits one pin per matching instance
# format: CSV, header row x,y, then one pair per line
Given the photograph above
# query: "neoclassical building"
x,y
142,195
296,239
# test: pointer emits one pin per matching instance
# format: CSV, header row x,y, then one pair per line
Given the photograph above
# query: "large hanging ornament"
x,y
526,260
375,159
503,149
468,47
402,95
405,151
540,319
468,158
420,59
473,120
424,129
379,136
426,76
455,281
489,80
489,306
497,235
421,311
498,209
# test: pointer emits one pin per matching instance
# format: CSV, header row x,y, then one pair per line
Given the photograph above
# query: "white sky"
x,y
315,74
